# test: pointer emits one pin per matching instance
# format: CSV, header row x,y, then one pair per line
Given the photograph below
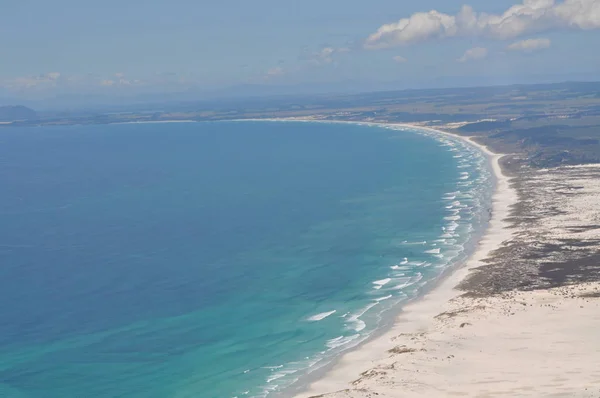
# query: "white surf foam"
x,y
281,374
380,283
340,341
383,298
452,218
433,251
272,367
320,316
357,323
452,226
406,282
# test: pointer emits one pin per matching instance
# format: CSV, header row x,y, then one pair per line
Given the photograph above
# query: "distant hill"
x,y
18,112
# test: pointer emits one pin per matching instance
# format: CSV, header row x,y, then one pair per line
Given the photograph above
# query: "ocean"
x,y
217,259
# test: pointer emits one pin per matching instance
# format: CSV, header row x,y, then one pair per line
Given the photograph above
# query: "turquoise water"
x,y
216,259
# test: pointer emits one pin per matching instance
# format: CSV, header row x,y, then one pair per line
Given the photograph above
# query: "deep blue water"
x,y
207,259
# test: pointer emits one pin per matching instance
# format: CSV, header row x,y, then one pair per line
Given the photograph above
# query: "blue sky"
x,y
133,46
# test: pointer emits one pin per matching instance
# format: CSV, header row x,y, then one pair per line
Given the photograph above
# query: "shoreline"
x,y
414,316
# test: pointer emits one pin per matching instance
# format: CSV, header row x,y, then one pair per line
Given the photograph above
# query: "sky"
x,y
132,47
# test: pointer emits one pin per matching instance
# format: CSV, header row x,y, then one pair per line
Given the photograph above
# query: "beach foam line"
x,y
380,283
341,341
320,316
403,282
359,324
408,281
424,242
281,374
452,218
433,251
272,367
452,226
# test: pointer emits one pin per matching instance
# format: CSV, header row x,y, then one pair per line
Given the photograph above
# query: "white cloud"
x,y
56,81
53,83
52,76
45,80
399,60
529,45
276,71
419,27
326,55
474,54
531,16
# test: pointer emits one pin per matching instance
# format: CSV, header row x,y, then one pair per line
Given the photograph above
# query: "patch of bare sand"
x,y
542,343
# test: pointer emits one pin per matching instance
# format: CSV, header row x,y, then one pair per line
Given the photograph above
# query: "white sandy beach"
x,y
537,343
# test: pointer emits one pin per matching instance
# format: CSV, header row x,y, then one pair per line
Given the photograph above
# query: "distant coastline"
x,y
157,121
552,124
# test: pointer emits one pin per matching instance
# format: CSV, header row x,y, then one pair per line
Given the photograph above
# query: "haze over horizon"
x,y
111,50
